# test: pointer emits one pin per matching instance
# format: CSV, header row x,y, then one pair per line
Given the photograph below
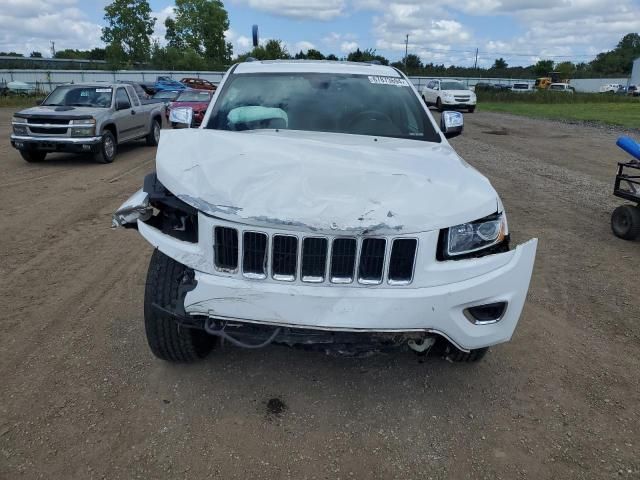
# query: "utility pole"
x,y
475,65
53,49
406,51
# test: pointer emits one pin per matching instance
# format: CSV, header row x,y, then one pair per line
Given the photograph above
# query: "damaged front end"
x,y
159,208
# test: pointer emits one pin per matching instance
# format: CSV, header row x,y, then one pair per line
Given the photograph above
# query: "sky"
x,y
449,32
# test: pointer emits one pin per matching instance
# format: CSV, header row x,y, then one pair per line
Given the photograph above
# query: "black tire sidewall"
x,y
101,156
625,222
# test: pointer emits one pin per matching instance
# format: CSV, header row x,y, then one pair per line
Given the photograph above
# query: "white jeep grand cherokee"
x,y
320,205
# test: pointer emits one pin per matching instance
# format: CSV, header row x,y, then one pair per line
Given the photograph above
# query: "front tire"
x,y
154,134
625,222
472,109
33,156
166,338
439,105
108,147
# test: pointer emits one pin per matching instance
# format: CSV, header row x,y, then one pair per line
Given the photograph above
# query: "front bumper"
x,y
457,104
435,308
56,144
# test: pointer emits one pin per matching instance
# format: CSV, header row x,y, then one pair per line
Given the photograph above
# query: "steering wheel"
x,y
368,115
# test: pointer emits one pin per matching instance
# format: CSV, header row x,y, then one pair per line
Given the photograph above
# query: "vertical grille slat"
x,y
343,260
254,254
226,248
403,254
284,257
371,267
314,259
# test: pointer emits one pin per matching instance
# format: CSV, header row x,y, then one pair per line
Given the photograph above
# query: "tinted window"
x,y
194,96
122,97
356,104
99,97
453,86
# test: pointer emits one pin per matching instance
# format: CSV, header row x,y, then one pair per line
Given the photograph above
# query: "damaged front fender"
x,y
137,207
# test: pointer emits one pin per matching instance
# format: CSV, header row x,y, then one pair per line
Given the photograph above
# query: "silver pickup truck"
x,y
86,118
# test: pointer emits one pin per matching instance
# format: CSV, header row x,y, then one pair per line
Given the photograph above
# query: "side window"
x,y
133,95
122,98
436,85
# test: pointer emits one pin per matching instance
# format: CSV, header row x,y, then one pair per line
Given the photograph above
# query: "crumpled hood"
x,y
325,182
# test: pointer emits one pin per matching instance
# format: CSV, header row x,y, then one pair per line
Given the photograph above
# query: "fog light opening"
x,y
486,314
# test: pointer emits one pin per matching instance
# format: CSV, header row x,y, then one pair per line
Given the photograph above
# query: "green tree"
x,y
128,31
200,26
413,63
620,59
35,55
173,39
543,67
499,64
367,55
331,56
566,70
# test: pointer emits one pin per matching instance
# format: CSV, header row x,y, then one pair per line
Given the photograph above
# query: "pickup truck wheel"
x,y
33,156
439,105
625,222
154,135
167,339
107,151
472,109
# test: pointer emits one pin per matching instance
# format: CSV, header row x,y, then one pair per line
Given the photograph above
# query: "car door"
x,y
434,91
427,92
125,116
140,114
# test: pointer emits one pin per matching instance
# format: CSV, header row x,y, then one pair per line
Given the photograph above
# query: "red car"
x,y
198,100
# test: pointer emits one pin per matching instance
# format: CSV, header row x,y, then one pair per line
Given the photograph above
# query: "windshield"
x,y
73,96
194,96
322,102
166,94
453,86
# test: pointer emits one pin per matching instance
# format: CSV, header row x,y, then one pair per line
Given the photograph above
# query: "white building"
x,y
635,72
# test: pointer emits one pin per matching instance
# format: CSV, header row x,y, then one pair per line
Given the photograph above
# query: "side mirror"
x,y
181,116
451,124
120,105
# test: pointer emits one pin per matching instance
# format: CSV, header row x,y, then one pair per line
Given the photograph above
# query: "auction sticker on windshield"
x,y
398,82
103,90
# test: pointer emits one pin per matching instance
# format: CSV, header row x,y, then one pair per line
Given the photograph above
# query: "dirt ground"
x,y
81,396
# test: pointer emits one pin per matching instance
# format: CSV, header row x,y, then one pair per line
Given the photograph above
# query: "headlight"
x,y
84,121
86,127
20,129
447,95
18,120
472,237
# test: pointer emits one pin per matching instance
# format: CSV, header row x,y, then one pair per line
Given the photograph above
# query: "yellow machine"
x,y
543,83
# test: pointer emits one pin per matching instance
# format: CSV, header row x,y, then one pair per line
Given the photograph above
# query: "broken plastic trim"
x,y
136,208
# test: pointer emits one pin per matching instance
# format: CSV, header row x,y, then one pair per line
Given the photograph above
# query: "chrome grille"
x,y
226,248
47,120
314,259
370,269
340,260
284,257
403,255
343,260
462,99
254,255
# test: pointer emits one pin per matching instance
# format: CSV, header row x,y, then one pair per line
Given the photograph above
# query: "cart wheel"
x,y
625,222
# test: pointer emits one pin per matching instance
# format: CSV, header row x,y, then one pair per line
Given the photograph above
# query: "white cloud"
x,y
302,9
28,25
159,30
347,47
302,46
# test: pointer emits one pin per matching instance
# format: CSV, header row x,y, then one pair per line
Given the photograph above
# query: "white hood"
x,y
323,182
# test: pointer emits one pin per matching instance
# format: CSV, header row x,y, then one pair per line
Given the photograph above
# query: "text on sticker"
x,y
398,82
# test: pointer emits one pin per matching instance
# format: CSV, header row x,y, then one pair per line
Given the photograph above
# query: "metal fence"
x,y
47,80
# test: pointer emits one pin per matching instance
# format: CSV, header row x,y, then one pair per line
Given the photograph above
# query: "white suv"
x,y
320,205
449,94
